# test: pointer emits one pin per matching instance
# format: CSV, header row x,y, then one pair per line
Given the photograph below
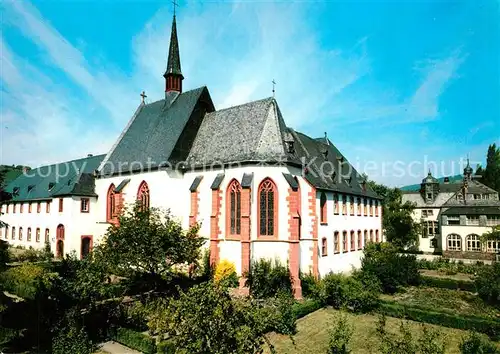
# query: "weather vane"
x,y
274,84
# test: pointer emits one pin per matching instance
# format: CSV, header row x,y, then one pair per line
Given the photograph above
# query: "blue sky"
x,y
394,84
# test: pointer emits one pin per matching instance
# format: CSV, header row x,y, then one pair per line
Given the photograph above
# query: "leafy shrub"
x,y
305,307
165,347
72,339
225,273
448,266
277,313
489,327
429,342
474,343
355,293
33,255
340,335
27,280
392,269
134,340
4,254
311,287
267,280
488,284
447,283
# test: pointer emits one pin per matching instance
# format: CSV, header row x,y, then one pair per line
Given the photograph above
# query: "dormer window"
x,y
15,191
429,195
30,188
51,185
290,146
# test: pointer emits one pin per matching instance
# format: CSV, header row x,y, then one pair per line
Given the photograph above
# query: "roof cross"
x,y
143,96
274,84
175,4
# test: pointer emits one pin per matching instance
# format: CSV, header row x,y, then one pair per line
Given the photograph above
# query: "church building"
x,y
258,188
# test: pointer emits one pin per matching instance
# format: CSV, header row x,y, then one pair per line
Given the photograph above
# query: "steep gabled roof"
x,y
249,132
67,178
152,134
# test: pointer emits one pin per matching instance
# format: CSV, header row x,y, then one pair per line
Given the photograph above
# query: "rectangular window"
x,y
61,205
371,207
336,242
85,205
351,205
6,208
29,207
14,208
344,205
323,247
365,207
344,242
376,208
453,220
37,235
47,235
472,220
353,241
47,207
336,203
360,240
493,246
21,207
38,207
493,220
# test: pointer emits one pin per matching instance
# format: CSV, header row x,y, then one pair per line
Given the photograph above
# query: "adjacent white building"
x,y
454,215
258,188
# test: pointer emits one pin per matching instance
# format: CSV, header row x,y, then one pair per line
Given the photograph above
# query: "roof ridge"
x,y
243,104
69,161
182,93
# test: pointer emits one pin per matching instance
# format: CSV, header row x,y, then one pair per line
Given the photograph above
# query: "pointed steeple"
x,y
173,75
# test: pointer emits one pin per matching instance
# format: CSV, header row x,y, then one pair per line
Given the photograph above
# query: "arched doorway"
x,y
60,249
86,247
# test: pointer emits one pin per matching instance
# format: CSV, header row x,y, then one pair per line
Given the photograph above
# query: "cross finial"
x,y
274,84
143,96
175,4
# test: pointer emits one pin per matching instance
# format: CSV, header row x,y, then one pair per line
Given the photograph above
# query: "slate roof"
x,y
248,132
152,133
68,178
473,210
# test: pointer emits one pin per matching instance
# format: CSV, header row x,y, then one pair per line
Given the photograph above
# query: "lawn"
x,y
445,300
312,333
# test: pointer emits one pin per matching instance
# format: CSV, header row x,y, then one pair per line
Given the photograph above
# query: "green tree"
x,y
205,319
149,242
397,221
340,336
491,175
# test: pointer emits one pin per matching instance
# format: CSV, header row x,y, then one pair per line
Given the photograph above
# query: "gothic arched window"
x,y
473,243
233,202
110,207
454,242
268,208
143,196
322,205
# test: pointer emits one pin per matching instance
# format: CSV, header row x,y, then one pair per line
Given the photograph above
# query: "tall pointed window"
x,y
322,205
268,208
111,209
344,205
234,209
358,201
143,196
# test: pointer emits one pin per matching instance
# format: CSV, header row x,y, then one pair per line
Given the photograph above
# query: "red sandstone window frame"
x,y
21,208
324,247
371,236
336,242
47,235
61,205
358,201
91,244
377,236
30,205
13,232
13,208
28,236
365,207
336,204
376,208
371,207
20,235
60,232
111,204
47,207
365,237
344,204
353,241
37,234
323,201
344,242
38,207
351,205
143,196
360,240
270,216
233,210
83,202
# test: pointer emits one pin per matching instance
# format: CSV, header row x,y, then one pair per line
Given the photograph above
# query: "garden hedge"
x,y
300,309
447,283
478,324
135,340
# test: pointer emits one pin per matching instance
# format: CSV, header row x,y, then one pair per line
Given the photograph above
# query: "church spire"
x,y
173,75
